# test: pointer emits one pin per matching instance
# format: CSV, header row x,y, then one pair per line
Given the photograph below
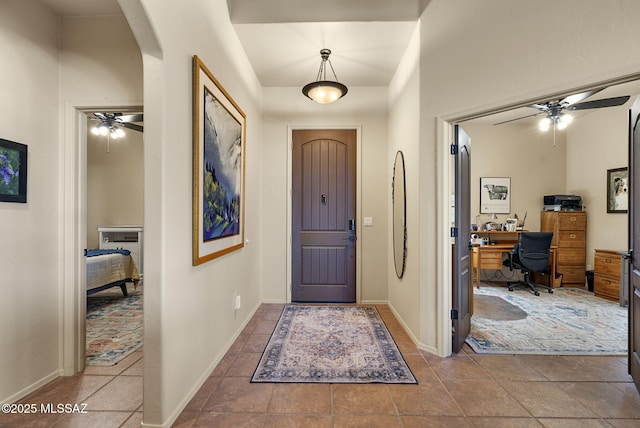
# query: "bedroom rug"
x,y
331,344
570,321
114,326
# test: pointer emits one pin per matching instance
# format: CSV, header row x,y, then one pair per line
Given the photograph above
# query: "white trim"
x,y
358,129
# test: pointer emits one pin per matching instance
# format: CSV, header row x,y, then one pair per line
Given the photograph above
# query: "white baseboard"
x,y
34,386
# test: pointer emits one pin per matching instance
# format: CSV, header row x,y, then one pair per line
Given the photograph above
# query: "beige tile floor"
x,y
466,390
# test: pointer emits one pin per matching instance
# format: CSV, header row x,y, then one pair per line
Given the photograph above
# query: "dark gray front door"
x,y
634,243
323,265
461,313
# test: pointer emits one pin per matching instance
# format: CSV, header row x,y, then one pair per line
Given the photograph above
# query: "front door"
x,y
634,243
461,313
323,242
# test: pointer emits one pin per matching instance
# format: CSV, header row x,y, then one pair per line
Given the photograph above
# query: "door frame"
x,y
73,229
444,138
358,129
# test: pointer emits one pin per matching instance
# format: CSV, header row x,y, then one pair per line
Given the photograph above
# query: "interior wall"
x,y
29,109
189,310
596,142
404,135
471,67
521,152
287,107
115,193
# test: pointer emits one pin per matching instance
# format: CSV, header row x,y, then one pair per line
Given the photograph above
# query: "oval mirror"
x,y
399,212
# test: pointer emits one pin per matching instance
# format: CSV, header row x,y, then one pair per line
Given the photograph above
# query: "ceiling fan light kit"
x,y
325,91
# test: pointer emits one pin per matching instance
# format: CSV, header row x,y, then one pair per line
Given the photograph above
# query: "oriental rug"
x,y
571,321
332,344
114,326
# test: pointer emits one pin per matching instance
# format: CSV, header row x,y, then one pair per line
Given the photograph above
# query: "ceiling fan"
x,y
109,123
554,111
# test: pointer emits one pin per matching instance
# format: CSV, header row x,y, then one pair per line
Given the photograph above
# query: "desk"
x,y
490,257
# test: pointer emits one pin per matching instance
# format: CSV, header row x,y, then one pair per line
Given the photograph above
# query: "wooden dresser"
x,y
608,274
570,237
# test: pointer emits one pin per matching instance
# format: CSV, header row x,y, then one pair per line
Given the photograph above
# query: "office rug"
x,y
331,344
114,326
570,321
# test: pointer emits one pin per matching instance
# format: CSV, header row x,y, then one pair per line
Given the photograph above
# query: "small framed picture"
x,y
618,190
13,171
495,195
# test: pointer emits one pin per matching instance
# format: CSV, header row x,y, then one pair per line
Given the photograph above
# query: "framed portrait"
x,y
13,171
495,195
218,168
618,190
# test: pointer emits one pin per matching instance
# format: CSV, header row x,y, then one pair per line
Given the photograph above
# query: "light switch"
x,y
367,221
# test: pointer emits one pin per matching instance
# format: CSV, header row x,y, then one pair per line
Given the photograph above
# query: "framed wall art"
x,y
618,190
218,168
495,195
13,171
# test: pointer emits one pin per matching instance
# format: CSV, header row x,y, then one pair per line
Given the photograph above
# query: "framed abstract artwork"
x,y
13,171
618,190
218,168
495,195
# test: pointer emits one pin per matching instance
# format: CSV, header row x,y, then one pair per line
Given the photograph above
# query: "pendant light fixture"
x,y
325,91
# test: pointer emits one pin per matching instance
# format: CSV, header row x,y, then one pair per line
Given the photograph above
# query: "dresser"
x,y
125,238
609,275
569,237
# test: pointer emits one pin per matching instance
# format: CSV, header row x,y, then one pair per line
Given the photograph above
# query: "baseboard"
x,y
194,390
414,339
34,386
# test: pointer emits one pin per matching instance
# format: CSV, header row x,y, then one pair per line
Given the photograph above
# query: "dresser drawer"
x,y
572,221
571,256
606,287
573,238
491,259
607,265
572,274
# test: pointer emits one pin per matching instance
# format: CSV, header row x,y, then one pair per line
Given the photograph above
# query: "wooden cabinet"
x,y
607,274
126,238
570,237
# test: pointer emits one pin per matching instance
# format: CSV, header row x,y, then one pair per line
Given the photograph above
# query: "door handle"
x,y
351,238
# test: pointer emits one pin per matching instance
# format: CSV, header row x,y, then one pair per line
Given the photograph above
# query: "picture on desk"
x,y
495,195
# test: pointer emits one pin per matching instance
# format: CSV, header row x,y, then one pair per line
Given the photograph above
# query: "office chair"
x,y
531,254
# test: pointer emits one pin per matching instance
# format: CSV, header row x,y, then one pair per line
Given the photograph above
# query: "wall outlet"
x,y
237,303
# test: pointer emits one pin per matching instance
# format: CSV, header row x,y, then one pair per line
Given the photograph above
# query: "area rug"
x,y
570,321
331,344
114,327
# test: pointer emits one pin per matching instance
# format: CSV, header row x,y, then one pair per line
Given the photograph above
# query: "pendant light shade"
x,y
325,91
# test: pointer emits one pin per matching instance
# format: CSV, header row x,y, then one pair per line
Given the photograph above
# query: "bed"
x,y
110,268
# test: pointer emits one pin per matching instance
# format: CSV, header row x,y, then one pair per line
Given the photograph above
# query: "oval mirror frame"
x,y
399,203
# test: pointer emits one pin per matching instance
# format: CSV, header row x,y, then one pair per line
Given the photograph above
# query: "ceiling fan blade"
x,y
130,118
132,126
518,118
605,102
576,98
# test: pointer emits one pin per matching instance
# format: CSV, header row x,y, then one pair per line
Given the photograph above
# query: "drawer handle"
x,y
572,236
607,260
608,282
574,218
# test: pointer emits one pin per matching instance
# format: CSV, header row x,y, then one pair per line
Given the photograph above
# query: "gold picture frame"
x,y
219,130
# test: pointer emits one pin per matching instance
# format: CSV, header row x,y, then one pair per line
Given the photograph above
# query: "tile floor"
x,y
466,390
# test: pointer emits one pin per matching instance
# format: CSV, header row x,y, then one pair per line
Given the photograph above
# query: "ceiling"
x,y
283,38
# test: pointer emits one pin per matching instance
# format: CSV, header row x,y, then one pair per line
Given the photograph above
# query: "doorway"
x,y
323,223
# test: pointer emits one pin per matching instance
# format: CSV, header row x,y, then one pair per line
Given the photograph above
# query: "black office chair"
x,y
531,254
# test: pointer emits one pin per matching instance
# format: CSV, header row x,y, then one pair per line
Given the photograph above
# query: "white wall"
x,y
526,155
596,142
189,310
361,107
404,135
29,233
115,193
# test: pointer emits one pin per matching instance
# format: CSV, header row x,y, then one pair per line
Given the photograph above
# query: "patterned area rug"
x,y
332,344
570,321
114,326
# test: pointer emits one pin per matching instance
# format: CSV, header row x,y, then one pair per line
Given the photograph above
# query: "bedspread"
x,y
110,268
